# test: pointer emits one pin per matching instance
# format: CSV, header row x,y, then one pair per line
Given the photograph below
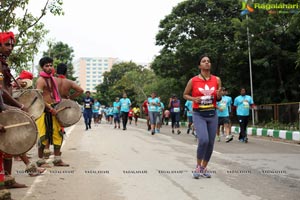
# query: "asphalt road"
x,y
113,164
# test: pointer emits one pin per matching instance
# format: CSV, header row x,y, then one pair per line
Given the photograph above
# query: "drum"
x,y
33,100
21,132
68,112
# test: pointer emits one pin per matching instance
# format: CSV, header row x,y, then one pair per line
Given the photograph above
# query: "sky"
x,y
123,29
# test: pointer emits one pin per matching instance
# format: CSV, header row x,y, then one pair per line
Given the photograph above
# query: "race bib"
x,y
206,102
87,105
246,104
176,109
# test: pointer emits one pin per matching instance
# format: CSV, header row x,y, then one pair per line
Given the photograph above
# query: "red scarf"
x,y
54,86
61,76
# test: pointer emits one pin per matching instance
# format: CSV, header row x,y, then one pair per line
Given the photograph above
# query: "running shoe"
x,y
242,140
188,131
152,132
173,131
196,172
178,132
204,173
229,138
218,138
246,140
157,131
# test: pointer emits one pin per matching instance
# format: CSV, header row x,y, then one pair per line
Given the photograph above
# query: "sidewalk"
x,y
282,134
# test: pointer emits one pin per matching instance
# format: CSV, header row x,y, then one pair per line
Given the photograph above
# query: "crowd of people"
x,y
208,108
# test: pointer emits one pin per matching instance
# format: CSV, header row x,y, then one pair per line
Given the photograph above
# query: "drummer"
x,y
3,192
7,42
48,126
65,86
24,80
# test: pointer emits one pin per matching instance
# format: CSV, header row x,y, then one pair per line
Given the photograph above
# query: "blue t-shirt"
x,y
110,110
96,107
243,104
225,105
161,107
116,107
153,108
189,108
125,104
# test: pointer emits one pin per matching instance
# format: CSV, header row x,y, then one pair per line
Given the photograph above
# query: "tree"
x,y
61,53
196,27
193,28
28,29
115,83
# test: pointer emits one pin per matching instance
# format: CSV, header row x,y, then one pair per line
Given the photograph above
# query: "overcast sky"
x,y
123,29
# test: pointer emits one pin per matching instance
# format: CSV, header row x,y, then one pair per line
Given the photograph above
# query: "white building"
x,y
89,71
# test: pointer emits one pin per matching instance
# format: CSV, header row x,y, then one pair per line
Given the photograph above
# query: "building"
x,y
89,71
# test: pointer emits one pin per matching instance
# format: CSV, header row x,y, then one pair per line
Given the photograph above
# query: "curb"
x,y
282,134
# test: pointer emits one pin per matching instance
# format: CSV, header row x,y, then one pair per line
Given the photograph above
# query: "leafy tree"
x,y
28,28
61,53
115,83
196,27
193,28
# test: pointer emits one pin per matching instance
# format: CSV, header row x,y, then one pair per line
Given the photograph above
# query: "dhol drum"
x,y
68,112
33,100
21,132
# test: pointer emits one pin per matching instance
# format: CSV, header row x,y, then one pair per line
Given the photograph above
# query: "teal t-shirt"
x,y
153,108
125,104
116,107
243,104
189,106
224,104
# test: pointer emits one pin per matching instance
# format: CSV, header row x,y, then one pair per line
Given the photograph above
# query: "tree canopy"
x,y
217,28
29,30
61,53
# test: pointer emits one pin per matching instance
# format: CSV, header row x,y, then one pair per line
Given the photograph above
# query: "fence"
x,y
284,113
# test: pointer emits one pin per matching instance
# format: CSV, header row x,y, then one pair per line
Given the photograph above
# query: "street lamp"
x,y
250,68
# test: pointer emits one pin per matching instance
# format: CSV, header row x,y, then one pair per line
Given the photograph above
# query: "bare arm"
x,y
6,95
78,90
219,94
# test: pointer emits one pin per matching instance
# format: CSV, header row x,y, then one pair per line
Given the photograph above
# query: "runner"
x,y
159,119
130,114
204,91
153,104
146,112
96,108
136,113
243,103
88,102
116,112
125,105
167,116
174,105
189,114
223,108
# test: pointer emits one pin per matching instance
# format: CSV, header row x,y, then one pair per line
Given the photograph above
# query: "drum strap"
x,y
49,127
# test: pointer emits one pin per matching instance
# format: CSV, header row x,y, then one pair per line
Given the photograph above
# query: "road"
x,y
112,164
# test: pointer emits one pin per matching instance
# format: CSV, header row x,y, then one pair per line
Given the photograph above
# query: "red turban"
x,y
25,75
4,36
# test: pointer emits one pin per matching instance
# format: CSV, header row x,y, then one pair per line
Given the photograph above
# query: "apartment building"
x,y
89,71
